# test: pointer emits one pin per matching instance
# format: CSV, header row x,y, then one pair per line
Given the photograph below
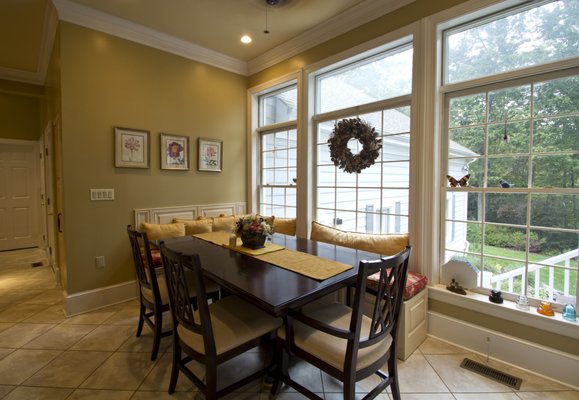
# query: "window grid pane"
x,y
519,147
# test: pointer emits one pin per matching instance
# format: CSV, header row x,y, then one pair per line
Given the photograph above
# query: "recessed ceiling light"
x,y
245,39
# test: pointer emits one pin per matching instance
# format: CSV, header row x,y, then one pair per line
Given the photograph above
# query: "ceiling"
x,y
204,30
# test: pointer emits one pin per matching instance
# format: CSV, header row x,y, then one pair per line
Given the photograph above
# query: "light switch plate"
x,y
102,194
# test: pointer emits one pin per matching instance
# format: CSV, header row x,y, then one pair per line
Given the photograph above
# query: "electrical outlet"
x,y
99,262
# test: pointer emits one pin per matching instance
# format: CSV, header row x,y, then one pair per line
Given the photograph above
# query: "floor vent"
x,y
37,264
496,375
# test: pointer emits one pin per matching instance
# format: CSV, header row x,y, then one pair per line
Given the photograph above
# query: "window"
x,y
517,221
278,152
377,199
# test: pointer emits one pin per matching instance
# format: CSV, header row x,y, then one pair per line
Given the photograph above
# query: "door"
x,y
19,195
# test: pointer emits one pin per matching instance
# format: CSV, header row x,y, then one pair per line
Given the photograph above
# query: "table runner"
x,y
302,263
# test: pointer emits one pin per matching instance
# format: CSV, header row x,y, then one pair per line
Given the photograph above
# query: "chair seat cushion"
x,y
156,257
234,322
414,283
332,349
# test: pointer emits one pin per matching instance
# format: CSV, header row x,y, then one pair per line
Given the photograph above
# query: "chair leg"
x,y
157,333
210,381
349,389
174,367
142,311
281,360
393,373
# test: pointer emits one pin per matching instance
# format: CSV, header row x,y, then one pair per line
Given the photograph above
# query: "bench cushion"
x,y
193,226
163,231
414,283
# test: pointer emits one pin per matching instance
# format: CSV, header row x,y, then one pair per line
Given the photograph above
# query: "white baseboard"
x,y
553,364
90,300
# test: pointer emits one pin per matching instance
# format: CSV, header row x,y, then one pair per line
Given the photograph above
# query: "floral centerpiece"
x,y
254,230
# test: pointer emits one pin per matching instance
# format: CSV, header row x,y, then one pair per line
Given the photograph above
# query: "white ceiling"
x,y
204,30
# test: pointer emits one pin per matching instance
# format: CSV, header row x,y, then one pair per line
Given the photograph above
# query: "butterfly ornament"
x,y
462,182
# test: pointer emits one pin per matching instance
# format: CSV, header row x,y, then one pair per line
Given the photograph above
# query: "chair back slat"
x,y
142,259
178,269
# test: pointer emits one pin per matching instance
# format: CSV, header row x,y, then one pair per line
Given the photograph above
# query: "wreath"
x,y
341,155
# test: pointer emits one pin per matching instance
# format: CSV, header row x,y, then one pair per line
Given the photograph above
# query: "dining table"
x,y
270,287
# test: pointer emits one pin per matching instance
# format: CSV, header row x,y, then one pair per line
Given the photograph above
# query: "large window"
x,y
278,152
377,199
516,222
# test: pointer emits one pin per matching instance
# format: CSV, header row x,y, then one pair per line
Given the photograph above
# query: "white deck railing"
x,y
510,276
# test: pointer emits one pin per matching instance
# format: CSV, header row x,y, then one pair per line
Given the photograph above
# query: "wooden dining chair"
x,y
214,333
342,341
153,296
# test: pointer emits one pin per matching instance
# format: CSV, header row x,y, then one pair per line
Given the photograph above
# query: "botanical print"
x,y
175,155
133,148
210,155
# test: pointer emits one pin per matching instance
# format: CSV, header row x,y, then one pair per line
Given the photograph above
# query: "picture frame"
x,y
174,152
131,148
210,155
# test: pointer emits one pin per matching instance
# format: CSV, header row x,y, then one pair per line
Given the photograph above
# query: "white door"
x,y
19,195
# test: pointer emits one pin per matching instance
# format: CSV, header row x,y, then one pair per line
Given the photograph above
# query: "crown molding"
x,y
48,36
97,20
352,18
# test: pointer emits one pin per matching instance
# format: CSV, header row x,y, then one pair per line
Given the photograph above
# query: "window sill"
x,y
480,303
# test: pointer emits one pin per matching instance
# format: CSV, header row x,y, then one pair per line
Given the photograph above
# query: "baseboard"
x,y
543,361
90,300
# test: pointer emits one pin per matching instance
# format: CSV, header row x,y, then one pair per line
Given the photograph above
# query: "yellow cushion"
x,y
286,226
223,223
381,244
163,231
332,349
193,226
234,322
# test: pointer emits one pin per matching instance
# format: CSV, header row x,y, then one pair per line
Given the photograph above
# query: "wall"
x,y
20,110
106,82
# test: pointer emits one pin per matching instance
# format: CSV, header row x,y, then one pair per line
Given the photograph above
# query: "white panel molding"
x,y
163,215
543,361
94,299
354,17
97,20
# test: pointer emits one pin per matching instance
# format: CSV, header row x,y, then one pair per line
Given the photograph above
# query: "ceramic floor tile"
x,y
144,343
5,325
5,352
427,396
416,375
486,396
19,365
51,297
359,396
20,334
163,396
123,371
20,312
52,315
459,379
564,395
333,385
125,316
96,394
105,338
60,337
28,393
435,346
94,317
69,369
158,378
306,375
4,390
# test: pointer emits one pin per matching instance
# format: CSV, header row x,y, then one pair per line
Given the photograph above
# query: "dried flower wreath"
x,y
341,155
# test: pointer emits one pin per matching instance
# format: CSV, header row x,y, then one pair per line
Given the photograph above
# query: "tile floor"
x,y
46,356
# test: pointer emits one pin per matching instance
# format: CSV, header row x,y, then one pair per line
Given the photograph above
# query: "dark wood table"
x,y
268,286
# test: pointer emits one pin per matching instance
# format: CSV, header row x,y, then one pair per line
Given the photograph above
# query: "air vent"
x,y
495,375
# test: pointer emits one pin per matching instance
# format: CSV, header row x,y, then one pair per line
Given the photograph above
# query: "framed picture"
x,y
210,155
131,148
174,152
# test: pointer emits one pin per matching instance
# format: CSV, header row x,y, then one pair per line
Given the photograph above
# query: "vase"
x,y
253,241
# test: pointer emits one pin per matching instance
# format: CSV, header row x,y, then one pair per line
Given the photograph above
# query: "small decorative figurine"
x,y
523,303
462,182
455,287
496,297
569,313
505,184
546,309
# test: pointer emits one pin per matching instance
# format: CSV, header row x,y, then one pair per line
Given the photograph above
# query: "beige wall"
x,y
20,110
108,82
